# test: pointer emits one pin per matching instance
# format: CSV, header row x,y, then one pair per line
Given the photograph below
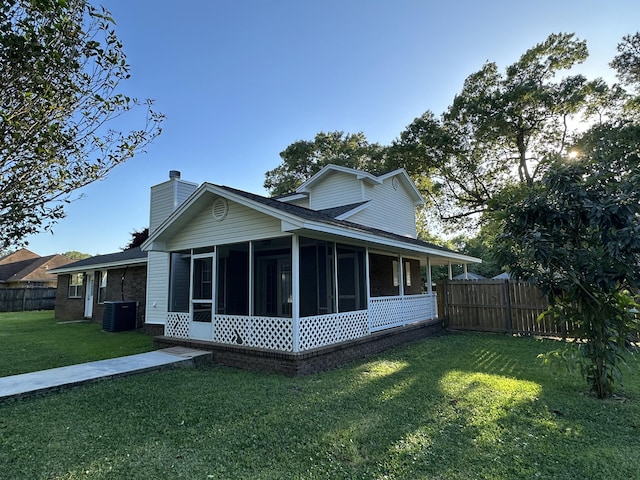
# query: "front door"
x,y
201,326
88,297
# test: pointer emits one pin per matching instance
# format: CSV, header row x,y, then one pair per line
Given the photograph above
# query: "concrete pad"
x,y
27,384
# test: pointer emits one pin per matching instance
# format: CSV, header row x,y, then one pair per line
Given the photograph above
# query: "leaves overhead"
x,y
62,65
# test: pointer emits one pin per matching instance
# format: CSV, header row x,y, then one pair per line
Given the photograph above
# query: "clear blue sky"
x,y
240,80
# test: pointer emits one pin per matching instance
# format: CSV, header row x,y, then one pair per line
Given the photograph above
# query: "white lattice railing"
x,y
321,330
177,325
272,333
275,333
387,312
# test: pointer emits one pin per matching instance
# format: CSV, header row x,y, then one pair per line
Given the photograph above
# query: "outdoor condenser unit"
x,y
119,316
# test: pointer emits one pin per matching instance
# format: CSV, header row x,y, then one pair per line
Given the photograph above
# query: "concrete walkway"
x,y
36,383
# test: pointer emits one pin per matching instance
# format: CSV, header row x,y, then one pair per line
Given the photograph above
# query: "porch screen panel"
x,y
412,277
233,279
272,277
179,282
316,278
382,275
351,278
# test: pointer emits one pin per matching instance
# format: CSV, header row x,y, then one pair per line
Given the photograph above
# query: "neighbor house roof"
x,y
298,218
133,256
26,266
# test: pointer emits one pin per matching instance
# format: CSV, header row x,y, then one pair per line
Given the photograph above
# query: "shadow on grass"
x,y
463,406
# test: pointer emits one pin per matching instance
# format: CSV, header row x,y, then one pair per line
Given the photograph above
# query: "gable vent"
x,y
220,209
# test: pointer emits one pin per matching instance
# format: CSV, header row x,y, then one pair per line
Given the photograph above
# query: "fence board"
x,y
24,299
495,306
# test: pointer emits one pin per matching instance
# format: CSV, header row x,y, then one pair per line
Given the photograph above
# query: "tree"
x,y
138,237
501,127
577,235
62,65
303,159
75,255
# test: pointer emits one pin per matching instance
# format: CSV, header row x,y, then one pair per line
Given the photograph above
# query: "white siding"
x,y
157,287
334,190
165,198
161,204
241,224
388,209
303,202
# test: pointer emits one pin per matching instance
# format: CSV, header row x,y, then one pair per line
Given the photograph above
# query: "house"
x,y
297,283
26,269
469,276
84,286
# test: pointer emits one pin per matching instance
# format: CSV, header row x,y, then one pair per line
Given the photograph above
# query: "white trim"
x,y
292,197
353,211
99,266
359,174
291,221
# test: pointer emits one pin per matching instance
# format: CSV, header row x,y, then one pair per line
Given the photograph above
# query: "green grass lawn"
x,y
455,407
31,341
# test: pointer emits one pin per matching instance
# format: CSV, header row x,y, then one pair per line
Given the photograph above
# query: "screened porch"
x,y
293,293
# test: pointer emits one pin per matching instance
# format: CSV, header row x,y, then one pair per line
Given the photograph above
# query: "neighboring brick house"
x,y
84,286
25,269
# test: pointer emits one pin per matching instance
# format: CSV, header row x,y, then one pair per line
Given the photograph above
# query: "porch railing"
x,y
388,312
277,333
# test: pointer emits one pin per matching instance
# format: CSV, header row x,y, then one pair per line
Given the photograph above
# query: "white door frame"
x,y
202,330
88,295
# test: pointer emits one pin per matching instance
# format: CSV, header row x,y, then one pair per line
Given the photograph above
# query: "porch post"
x,y
367,273
401,289
429,281
466,273
450,272
251,279
295,287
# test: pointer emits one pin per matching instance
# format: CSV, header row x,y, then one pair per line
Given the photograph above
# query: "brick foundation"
x,y
311,361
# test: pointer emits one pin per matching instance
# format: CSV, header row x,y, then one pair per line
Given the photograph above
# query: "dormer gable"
x,y
386,201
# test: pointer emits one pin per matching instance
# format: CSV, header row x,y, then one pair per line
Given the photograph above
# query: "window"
x,y
75,285
102,286
407,273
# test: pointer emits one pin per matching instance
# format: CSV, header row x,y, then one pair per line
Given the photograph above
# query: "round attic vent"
x,y
220,209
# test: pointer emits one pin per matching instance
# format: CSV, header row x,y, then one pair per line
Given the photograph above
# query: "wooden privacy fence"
x,y
23,299
495,306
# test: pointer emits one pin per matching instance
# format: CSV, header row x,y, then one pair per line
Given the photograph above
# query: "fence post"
x,y
447,322
507,301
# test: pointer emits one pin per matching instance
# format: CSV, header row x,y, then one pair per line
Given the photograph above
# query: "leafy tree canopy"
x,y
577,235
137,238
62,65
74,254
303,159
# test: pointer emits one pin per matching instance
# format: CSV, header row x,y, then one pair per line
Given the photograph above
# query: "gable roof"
x,y
133,256
26,266
294,218
18,256
366,177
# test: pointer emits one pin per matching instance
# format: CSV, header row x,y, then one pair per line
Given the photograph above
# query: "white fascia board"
x,y
360,175
353,211
152,243
293,197
408,182
99,266
396,244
